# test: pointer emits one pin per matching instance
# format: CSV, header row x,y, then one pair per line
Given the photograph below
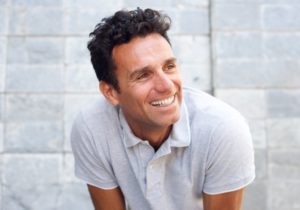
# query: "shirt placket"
x,y
154,176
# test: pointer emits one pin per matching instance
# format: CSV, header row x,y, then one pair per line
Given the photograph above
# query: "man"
x,y
152,144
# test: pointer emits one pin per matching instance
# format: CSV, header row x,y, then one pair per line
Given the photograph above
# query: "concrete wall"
x,y
245,52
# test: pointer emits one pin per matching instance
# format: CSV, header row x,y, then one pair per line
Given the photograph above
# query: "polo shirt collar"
x,y
180,135
129,138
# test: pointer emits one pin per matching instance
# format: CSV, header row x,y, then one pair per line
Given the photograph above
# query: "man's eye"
x,y
142,76
170,66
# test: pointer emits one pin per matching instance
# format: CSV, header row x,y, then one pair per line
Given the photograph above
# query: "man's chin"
x,y
170,121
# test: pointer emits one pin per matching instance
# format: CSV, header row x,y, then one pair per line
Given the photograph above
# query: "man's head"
x,y
141,73
118,29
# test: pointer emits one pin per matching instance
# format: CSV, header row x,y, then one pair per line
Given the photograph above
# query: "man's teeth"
x,y
163,102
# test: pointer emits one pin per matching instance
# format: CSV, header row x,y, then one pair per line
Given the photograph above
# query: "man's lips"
x,y
164,102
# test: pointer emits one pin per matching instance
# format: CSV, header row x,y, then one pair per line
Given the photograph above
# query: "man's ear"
x,y
110,93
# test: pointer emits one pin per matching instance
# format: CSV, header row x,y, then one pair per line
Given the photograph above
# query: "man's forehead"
x,y
142,51
141,42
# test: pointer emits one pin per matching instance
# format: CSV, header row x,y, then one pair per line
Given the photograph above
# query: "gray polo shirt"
x,y
209,150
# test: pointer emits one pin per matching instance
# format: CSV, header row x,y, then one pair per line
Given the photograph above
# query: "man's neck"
x,y
155,137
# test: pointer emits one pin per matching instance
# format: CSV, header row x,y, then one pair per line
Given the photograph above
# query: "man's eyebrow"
x,y
137,72
173,59
141,70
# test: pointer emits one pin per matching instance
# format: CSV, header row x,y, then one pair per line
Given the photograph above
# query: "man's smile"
x,y
164,102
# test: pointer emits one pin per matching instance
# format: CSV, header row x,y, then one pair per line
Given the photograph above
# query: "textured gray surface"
x,y
245,52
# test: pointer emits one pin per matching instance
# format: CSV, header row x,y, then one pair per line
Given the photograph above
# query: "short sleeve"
x,y
230,161
91,165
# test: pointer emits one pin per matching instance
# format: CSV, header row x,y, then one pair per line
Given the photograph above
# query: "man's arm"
x,y
107,199
224,201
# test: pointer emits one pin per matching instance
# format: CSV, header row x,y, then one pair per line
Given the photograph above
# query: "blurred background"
x,y
245,52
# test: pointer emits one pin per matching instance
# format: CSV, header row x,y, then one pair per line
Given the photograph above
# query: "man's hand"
x,y
107,199
224,201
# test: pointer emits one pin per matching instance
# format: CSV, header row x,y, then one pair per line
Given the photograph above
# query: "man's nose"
x,y
162,82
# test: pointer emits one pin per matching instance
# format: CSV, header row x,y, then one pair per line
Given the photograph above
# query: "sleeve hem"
x,y
101,185
230,188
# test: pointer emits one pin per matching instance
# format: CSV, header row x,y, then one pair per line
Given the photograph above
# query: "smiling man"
x,y
150,143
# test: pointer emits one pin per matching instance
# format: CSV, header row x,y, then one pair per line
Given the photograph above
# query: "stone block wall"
x,y
246,52
256,69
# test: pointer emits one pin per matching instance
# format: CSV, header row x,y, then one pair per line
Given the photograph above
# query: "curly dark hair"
x,y
119,29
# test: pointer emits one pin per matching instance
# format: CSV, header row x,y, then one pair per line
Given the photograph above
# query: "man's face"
x,y
150,83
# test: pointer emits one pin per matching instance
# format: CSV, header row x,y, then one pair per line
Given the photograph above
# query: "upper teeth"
x,y
163,102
